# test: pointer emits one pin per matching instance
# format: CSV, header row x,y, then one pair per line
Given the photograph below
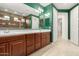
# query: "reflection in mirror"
x,y
46,21
22,20
28,23
41,21
6,18
15,18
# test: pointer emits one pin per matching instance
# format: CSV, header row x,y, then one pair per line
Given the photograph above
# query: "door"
x,y
37,41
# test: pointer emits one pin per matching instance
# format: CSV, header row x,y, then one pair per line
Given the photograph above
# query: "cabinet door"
x,y
30,43
45,38
37,41
4,51
18,47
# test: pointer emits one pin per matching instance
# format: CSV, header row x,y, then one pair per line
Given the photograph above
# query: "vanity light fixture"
x,y
15,19
27,21
6,18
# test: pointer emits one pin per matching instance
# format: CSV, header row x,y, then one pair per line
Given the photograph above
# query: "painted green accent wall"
x,y
47,22
48,9
34,5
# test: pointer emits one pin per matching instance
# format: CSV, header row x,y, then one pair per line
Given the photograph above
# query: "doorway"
x,y
63,25
59,27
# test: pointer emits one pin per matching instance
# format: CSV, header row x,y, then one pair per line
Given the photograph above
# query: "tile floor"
x,y
60,48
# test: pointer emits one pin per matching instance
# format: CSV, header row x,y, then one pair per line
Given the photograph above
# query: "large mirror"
x,y
45,21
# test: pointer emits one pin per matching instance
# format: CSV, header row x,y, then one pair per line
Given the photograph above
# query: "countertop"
x,y
19,32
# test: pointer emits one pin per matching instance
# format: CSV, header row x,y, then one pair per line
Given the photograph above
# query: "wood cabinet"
x,y
45,38
18,47
30,43
4,50
21,45
37,41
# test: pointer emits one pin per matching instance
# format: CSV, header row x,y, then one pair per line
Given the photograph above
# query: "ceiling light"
x,y
6,18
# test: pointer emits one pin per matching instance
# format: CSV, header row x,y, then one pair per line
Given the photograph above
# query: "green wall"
x,y
48,9
49,22
34,5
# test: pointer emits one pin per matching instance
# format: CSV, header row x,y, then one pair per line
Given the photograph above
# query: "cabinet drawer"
x,y
30,36
12,38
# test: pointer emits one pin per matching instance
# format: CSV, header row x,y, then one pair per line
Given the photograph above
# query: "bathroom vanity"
x,y
23,42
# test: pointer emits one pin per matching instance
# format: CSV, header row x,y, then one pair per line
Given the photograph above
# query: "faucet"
x,y
6,31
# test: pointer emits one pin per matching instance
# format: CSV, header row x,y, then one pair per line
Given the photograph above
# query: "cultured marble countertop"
x,y
19,32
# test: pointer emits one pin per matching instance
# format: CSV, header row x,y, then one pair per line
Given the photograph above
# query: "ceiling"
x,y
18,8
44,4
64,5
24,10
60,5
